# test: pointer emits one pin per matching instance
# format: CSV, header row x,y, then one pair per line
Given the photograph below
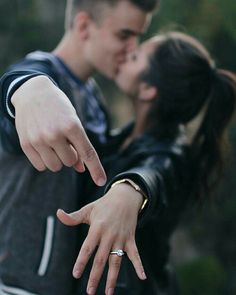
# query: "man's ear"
x,y
147,92
81,22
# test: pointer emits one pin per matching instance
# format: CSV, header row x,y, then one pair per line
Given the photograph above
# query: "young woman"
x,y
172,82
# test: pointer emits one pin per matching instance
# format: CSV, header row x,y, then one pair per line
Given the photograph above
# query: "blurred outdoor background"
x,y
205,243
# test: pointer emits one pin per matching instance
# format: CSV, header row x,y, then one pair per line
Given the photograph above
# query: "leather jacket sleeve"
x,y
161,177
18,74
15,76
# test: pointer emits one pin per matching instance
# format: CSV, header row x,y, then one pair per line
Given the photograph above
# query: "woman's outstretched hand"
x,y
112,220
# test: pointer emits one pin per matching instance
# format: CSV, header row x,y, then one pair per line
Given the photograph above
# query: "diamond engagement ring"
x,y
117,252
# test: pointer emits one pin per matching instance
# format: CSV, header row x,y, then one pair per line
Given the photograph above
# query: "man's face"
x,y
114,36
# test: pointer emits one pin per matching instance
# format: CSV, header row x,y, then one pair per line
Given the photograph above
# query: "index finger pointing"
x,y
87,154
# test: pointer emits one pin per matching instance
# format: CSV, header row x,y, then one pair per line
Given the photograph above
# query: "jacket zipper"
x,y
47,249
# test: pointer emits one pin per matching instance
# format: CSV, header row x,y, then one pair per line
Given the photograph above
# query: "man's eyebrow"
x,y
129,32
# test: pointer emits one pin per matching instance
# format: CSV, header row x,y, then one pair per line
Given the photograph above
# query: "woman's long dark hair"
x,y
188,82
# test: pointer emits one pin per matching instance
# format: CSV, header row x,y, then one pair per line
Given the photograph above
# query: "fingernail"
x,y
91,291
76,274
101,181
144,277
111,291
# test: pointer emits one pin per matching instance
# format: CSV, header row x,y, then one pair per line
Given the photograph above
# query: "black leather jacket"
x,y
160,166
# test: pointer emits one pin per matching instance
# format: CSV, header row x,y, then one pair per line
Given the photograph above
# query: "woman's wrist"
x,y
135,187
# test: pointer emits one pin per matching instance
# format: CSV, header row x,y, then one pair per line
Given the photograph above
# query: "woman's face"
x,y
128,77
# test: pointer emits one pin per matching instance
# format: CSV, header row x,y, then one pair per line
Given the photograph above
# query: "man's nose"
x,y
132,44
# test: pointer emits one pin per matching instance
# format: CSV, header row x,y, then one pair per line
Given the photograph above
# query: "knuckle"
x,y
132,249
136,254
89,154
25,145
80,265
55,167
52,137
70,160
41,167
99,261
101,226
69,163
93,282
111,283
71,126
130,244
37,141
115,263
87,251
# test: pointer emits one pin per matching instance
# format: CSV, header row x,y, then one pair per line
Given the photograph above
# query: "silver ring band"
x,y
118,252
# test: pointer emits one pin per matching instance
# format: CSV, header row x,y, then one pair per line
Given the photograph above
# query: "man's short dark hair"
x,y
92,6
146,5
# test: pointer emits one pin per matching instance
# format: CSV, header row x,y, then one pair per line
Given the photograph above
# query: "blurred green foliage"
x,y
27,25
211,21
202,276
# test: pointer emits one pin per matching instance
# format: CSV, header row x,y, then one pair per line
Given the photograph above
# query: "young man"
x,y
47,104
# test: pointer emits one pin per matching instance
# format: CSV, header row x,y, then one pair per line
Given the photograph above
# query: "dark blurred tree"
x,y
27,25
